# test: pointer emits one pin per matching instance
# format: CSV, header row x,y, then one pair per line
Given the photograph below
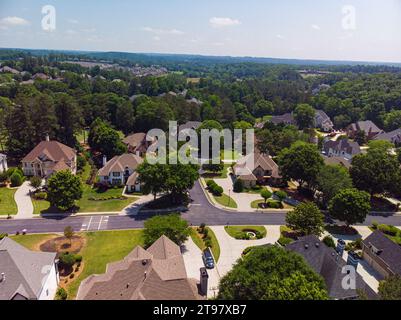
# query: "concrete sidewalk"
x,y
24,202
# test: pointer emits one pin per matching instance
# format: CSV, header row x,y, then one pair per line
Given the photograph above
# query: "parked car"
x,y
208,259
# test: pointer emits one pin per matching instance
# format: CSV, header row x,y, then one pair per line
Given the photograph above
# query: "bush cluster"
x,y
214,188
238,186
329,241
274,204
107,198
388,229
40,195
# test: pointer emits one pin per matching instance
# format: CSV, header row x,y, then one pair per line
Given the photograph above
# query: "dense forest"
x,y
236,94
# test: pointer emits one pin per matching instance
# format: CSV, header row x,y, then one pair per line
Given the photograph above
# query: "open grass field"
x,y
7,202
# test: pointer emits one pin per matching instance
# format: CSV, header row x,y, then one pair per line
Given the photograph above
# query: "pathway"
x,y
24,202
231,249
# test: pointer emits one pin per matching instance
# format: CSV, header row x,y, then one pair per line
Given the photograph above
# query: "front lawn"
x,y
101,248
237,232
197,238
226,201
92,200
7,202
218,175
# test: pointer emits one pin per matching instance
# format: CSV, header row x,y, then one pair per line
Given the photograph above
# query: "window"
x,y
116,174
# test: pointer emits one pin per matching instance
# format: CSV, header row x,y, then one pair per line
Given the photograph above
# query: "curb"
x,y
211,201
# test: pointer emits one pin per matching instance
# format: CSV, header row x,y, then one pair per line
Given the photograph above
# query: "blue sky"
x,y
308,29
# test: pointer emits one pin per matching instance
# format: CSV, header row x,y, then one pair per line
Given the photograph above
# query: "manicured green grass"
x,y
7,202
31,241
102,248
215,244
87,205
255,204
197,239
226,201
229,155
235,231
219,175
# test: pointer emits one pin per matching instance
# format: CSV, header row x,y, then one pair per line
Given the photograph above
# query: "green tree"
x,y
172,226
272,273
152,177
63,189
376,172
153,115
360,137
392,120
238,186
262,108
390,288
331,180
105,139
301,162
16,179
304,115
350,205
68,233
35,182
266,194
306,218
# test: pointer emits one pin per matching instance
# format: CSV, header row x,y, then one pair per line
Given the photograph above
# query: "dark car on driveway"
x,y
208,259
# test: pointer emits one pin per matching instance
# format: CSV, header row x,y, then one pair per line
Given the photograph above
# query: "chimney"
x,y
340,247
203,281
47,137
104,160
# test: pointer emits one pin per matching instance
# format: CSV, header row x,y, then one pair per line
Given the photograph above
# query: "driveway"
x,y
243,200
231,249
23,200
193,262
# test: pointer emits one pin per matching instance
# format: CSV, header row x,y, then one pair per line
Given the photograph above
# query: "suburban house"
x,y
137,143
157,273
329,264
393,137
343,148
264,170
49,157
121,170
370,129
3,163
25,274
323,121
382,254
287,118
7,69
40,76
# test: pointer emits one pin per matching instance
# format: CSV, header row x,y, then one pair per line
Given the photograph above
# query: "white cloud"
x,y
156,38
279,36
315,26
162,31
13,22
71,32
217,22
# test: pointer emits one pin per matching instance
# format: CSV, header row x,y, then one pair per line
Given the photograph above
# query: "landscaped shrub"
x,y
247,250
210,183
329,241
284,241
16,179
3,177
40,195
208,243
216,190
35,182
61,294
354,245
67,259
389,230
274,204
375,224
281,194
238,186
3,235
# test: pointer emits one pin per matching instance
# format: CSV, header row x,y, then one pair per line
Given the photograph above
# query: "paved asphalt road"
x,y
200,211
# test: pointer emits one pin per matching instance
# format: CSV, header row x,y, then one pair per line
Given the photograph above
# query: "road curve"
x,y
200,211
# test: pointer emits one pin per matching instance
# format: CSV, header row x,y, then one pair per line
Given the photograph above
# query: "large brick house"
x,y
49,157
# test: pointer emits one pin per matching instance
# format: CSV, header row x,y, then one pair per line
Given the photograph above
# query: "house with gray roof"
x,y
368,127
25,274
393,137
329,264
3,163
157,273
287,118
343,148
121,170
382,254
323,121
